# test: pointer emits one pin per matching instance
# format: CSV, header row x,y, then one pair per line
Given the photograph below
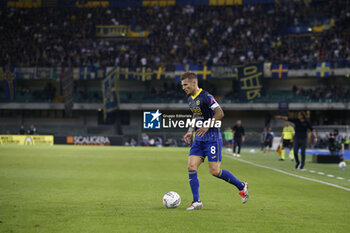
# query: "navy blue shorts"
x,y
212,149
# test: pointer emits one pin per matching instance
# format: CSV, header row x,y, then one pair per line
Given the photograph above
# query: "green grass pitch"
x,y
120,189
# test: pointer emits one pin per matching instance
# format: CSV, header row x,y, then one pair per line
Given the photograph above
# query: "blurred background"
x,y
85,71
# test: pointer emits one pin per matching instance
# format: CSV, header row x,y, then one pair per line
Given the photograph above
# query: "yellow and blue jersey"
x,y
288,132
202,106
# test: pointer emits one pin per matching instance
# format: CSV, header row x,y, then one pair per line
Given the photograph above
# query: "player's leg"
x,y
192,167
214,169
283,150
296,149
302,148
213,151
230,145
196,157
291,151
234,147
193,164
239,144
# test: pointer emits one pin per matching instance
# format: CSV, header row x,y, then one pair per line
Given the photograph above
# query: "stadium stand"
x,y
302,48
290,33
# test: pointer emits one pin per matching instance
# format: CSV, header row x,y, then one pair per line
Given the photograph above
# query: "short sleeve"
x,y
210,101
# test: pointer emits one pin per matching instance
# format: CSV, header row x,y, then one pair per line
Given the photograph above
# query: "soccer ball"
x,y
342,165
171,200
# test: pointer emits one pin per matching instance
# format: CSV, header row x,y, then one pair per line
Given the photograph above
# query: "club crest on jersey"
x,y
198,102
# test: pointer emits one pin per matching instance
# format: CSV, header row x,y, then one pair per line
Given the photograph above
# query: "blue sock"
x,y
194,183
228,177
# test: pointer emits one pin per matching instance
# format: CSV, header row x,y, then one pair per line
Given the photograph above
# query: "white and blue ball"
x,y
342,165
171,200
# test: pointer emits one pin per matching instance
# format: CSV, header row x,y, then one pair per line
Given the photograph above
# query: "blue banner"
x,y
111,31
100,73
279,70
8,75
179,70
283,107
110,92
42,73
85,73
67,83
141,73
224,72
192,2
251,81
323,69
203,72
131,3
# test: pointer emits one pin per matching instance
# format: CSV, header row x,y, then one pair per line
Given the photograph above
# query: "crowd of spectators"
x,y
31,131
324,93
178,35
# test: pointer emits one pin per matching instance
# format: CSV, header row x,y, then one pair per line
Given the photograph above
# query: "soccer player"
x,y
268,140
228,138
262,138
301,127
238,137
287,138
207,142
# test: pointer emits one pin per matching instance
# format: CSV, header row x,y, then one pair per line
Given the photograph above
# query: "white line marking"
x,y
340,178
291,174
320,173
330,175
312,171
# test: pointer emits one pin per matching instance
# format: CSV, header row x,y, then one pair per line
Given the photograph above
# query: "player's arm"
x,y
188,135
315,135
281,117
219,114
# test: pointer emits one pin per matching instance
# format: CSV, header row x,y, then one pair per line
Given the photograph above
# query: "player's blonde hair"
x,y
189,75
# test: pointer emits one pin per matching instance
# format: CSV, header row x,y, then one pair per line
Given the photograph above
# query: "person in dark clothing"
x,y
32,130
238,137
22,131
301,127
268,140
